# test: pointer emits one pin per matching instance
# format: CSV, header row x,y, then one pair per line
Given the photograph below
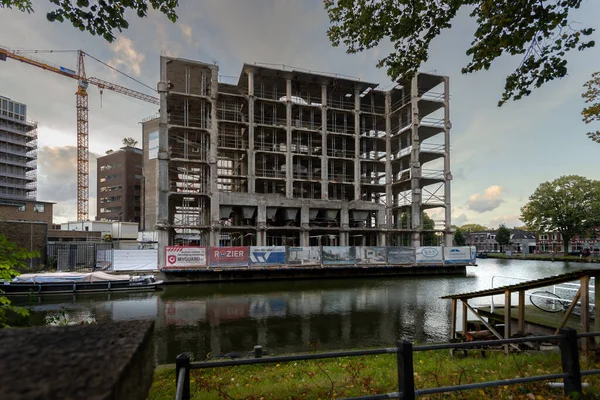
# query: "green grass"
x,y
359,376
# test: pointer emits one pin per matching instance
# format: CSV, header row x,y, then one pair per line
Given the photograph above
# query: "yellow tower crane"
x,y
83,165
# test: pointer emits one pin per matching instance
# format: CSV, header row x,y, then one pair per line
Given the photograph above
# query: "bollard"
x,y
183,361
406,377
569,354
258,352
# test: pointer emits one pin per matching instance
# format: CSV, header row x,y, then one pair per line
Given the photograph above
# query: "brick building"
x,y
119,185
26,210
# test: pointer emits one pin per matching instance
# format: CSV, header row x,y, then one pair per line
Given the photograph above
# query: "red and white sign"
x,y
188,257
229,256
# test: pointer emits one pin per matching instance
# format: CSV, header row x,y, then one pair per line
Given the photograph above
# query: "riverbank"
x,y
544,257
359,376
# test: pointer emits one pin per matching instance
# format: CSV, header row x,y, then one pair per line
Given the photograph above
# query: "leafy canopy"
x,y
503,235
459,238
591,113
12,259
474,228
100,17
540,31
569,205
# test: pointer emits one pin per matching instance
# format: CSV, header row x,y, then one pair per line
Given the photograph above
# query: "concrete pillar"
x,y
388,163
357,144
251,151
324,157
447,172
261,224
304,223
212,159
345,224
381,234
289,167
415,167
162,178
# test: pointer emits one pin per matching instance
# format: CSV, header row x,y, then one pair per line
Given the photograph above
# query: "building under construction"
x,y
291,157
18,153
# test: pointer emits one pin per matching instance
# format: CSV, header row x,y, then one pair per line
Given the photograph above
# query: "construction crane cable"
x,y
120,72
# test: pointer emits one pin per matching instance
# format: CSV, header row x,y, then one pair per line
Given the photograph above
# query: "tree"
x,y
569,205
109,151
459,238
474,228
100,17
129,141
503,236
591,113
429,238
12,259
537,30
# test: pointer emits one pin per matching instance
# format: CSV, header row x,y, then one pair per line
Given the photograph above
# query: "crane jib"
x,y
68,71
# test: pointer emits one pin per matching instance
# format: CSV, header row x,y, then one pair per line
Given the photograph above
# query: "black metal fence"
x,y
79,256
567,340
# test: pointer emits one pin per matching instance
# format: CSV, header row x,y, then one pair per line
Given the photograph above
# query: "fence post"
x,y
258,352
569,354
406,378
183,361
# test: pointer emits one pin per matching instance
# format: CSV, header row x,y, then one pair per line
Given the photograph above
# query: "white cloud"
x,y
488,201
187,32
126,56
460,219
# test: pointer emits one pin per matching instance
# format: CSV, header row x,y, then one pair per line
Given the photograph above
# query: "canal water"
x,y
293,316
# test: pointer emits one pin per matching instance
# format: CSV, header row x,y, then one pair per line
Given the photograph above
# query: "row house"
x,y
549,242
485,241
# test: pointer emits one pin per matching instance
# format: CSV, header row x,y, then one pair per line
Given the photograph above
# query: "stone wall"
x,y
95,362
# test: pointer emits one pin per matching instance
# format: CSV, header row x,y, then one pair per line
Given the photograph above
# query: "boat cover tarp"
x,y
70,277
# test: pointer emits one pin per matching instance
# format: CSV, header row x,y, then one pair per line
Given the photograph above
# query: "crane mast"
x,y
83,161
83,157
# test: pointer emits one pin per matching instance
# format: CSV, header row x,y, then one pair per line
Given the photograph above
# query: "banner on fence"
x,y
185,257
338,255
370,255
430,254
267,255
457,255
400,255
473,255
304,255
229,256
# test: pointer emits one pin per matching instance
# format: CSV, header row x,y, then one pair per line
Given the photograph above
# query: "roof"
x,y
534,284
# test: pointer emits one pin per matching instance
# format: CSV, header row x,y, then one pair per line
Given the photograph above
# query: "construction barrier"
x,y
196,258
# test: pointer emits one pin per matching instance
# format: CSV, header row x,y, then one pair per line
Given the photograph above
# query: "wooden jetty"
x,y
526,318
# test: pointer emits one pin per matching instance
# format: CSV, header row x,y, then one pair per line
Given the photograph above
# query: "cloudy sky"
x,y
499,155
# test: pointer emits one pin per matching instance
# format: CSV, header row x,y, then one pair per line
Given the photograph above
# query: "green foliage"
x,y
12,259
474,228
591,113
459,238
569,205
537,30
503,236
129,141
100,17
429,238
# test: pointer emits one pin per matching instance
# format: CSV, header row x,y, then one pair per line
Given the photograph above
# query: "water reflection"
x,y
290,316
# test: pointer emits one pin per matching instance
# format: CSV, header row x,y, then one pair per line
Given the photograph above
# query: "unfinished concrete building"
x,y
290,157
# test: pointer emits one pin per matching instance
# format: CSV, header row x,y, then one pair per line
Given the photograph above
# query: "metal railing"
x,y
567,340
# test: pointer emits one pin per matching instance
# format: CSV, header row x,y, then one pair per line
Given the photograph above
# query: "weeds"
x,y
359,376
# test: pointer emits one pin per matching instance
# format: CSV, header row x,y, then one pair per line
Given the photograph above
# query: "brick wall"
x,y
32,211
32,236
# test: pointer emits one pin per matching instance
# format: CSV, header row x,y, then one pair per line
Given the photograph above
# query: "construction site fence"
x,y
79,256
189,258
